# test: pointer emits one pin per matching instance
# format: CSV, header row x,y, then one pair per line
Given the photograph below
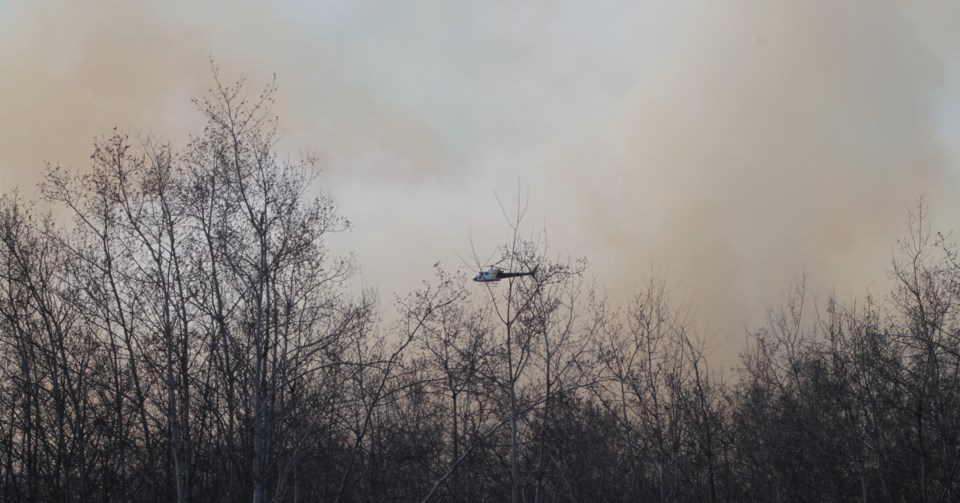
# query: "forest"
x,y
174,328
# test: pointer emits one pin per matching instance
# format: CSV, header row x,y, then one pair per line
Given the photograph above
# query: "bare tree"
x,y
455,345
926,300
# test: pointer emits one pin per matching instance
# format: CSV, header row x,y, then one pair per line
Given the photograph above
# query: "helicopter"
x,y
494,274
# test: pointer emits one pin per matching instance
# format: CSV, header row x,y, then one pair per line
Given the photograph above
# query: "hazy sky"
x,y
732,142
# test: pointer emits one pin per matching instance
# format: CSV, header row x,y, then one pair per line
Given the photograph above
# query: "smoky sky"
x,y
732,144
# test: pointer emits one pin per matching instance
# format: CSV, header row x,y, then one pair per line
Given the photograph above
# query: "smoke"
x,y
74,71
779,138
734,144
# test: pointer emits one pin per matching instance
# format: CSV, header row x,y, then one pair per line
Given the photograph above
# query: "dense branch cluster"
x,y
187,337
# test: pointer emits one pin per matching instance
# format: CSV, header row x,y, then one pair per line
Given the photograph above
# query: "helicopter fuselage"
x,y
496,274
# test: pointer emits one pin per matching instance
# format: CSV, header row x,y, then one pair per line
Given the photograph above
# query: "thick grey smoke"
x,y
732,143
779,137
